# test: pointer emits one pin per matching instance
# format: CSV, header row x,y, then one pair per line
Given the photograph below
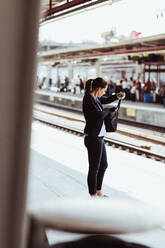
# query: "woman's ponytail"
x,y
93,84
89,85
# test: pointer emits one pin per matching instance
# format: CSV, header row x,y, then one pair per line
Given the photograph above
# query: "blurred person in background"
x,y
110,88
129,87
133,92
162,93
147,86
81,84
138,89
125,86
65,85
119,86
147,91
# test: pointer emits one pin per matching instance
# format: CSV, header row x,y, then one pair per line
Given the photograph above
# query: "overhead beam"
x,y
65,6
71,7
104,54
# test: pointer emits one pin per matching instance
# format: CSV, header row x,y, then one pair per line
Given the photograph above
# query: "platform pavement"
x,y
51,180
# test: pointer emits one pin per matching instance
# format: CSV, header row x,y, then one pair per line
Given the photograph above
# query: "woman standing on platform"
x,y
95,130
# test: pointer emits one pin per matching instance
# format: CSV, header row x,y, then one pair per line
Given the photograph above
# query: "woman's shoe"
x,y
103,196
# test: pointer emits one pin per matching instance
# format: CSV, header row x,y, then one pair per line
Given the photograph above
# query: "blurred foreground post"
x,y
19,35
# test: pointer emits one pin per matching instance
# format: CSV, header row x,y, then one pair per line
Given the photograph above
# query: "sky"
x,y
125,16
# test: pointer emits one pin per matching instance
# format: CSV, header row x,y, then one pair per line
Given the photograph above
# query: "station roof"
x,y
51,9
152,44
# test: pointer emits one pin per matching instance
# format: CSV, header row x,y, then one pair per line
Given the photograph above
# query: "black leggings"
x,y
97,158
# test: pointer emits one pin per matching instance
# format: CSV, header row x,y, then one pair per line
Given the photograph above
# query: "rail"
x,y
108,141
121,120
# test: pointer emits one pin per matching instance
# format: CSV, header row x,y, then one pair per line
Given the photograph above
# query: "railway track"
x,y
108,141
122,121
125,133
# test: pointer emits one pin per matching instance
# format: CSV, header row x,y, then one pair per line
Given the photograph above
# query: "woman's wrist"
x,y
121,95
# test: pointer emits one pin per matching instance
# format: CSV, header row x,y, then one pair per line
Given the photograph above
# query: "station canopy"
x,y
139,47
51,9
54,9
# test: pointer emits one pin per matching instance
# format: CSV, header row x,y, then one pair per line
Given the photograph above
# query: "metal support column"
x,y
18,47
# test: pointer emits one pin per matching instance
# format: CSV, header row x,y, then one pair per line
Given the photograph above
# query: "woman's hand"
x,y
121,95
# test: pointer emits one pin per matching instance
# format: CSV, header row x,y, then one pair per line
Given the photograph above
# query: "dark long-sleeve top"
x,y
94,113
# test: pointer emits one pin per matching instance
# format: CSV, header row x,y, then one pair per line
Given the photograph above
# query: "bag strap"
x,y
118,105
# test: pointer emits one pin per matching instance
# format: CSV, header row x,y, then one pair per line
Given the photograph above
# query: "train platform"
x,y
58,168
148,113
143,104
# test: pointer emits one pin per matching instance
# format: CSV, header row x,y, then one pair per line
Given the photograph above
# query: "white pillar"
x,y
70,70
139,69
97,64
18,48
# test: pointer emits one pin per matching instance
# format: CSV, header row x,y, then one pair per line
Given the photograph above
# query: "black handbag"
x,y
111,119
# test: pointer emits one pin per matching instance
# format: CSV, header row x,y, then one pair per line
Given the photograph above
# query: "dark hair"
x,y
93,84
